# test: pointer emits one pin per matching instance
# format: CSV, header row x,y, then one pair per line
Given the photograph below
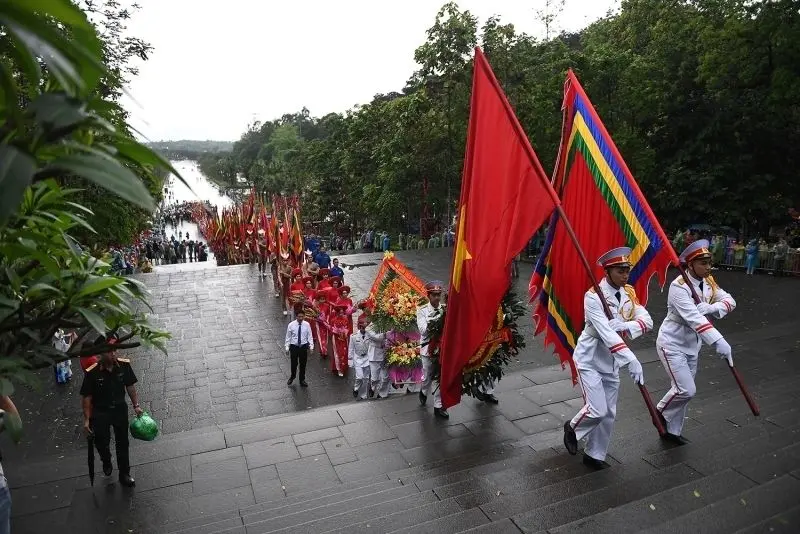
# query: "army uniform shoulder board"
x,y
91,367
124,360
629,289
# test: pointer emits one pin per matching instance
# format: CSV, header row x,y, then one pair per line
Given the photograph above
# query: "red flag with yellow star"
x,y
505,197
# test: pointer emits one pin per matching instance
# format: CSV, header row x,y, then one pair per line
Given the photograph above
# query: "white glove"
x,y
724,350
704,308
617,325
635,369
286,349
350,363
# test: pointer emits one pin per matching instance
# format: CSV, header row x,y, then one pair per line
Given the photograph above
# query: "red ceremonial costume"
x,y
310,294
339,328
324,282
323,332
347,302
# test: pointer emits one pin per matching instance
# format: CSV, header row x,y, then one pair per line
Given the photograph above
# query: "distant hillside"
x,y
189,145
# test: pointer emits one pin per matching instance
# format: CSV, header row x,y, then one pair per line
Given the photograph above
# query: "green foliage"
x,y
59,128
699,95
494,367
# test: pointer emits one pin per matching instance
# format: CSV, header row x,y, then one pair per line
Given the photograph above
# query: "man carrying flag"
x,y
684,331
601,351
505,198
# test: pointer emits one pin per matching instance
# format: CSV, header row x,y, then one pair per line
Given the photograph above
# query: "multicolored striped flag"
x,y
607,209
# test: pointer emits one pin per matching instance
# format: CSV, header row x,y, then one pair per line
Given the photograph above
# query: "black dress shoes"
x,y
127,481
108,469
422,398
594,463
303,384
289,382
672,438
570,439
489,399
441,412
355,393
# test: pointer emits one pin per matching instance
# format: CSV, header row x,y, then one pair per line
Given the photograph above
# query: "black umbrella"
x,y
90,442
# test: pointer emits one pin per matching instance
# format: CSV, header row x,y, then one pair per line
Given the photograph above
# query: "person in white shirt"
x,y
299,342
600,352
425,314
379,374
358,358
685,329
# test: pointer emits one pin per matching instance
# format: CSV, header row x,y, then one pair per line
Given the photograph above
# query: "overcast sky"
x,y
217,66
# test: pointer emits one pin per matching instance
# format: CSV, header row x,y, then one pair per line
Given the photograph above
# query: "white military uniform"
x,y
358,358
376,354
424,315
680,337
599,354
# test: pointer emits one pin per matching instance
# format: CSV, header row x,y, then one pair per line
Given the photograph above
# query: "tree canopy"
x,y
701,96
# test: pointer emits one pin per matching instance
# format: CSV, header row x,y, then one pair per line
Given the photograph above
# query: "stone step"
x,y
226,525
453,523
744,452
318,508
654,509
740,511
336,518
784,522
520,489
504,526
298,503
705,443
771,465
589,503
196,522
404,518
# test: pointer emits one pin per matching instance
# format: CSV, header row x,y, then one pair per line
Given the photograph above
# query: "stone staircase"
x,y
389,466
739,474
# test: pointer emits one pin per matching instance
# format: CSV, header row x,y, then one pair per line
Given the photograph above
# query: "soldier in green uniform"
x,y
104,386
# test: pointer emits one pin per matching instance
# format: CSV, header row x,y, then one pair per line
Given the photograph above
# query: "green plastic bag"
x,y
144,427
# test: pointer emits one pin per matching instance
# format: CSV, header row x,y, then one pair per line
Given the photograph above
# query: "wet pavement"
x,y
226,363
228,436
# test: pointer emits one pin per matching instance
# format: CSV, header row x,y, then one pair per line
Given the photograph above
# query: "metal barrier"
x,y
737,259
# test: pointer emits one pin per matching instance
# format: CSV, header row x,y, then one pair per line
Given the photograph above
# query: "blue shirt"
x,y
337,271
323,260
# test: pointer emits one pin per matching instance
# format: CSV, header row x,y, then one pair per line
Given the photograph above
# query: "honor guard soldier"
x,y
685,329
600,352
104,386
425,314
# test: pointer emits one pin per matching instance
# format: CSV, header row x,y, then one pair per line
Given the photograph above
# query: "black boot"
x,y
127,481
488,398
672,438
570,439
594,463
422,398
108,468
441,412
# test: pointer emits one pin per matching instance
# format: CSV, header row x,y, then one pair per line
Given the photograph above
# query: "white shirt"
x,y
599,346
358,349
424,315
376,351
685,329
305,335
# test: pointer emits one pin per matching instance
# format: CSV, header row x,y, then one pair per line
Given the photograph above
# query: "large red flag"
x,y
505,198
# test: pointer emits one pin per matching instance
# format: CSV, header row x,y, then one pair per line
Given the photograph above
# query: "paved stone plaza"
x,y
232,453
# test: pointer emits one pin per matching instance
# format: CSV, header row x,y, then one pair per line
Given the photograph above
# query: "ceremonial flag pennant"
x,y
297,236
505,198
607,209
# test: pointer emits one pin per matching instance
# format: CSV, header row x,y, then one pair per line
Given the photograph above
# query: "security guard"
x,y
104,406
